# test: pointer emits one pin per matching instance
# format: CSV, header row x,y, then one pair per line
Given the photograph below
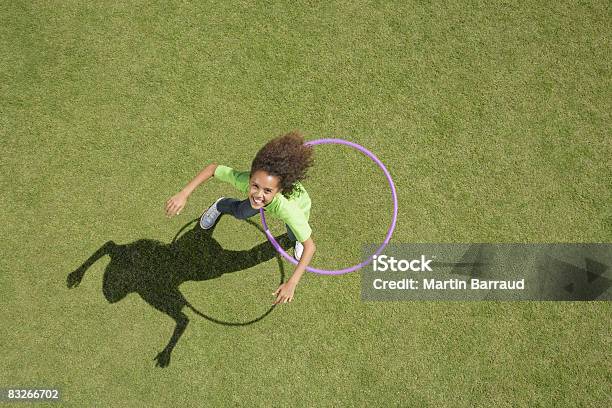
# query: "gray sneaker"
x,y
210,216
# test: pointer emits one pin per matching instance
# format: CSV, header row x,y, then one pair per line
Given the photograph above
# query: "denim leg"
x,y
291,234
239,209
243,210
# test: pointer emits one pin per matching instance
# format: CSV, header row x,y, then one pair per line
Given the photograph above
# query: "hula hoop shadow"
x,y
224,322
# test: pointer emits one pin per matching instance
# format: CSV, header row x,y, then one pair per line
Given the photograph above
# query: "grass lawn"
x,y
492,117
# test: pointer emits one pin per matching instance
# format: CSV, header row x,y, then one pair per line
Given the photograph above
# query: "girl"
x,y
272,184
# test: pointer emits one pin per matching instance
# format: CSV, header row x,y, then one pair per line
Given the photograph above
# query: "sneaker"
x,y
210,216
298,250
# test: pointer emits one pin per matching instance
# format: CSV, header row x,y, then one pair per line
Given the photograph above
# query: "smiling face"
x,y
262,188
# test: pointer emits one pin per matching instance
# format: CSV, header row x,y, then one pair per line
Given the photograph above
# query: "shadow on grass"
x,y
155,271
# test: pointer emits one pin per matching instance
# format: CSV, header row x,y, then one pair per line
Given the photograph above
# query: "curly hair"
x,y
287,158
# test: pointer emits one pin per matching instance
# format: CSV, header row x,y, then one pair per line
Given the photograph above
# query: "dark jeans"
x,y
243,210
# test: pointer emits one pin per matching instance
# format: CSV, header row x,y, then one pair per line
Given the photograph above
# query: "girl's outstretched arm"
x,y
285,292
175,204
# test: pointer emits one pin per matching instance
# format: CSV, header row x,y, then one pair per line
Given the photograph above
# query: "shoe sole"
x,y
294,255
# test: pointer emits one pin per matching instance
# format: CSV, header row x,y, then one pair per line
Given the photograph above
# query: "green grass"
x,y
492,117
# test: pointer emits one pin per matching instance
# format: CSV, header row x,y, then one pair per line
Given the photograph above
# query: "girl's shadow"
x,y
155,271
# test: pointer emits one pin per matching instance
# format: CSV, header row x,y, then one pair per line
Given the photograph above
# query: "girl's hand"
x,y
284,293
175,204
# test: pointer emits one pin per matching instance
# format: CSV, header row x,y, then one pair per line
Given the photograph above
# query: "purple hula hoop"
x,y
389,231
